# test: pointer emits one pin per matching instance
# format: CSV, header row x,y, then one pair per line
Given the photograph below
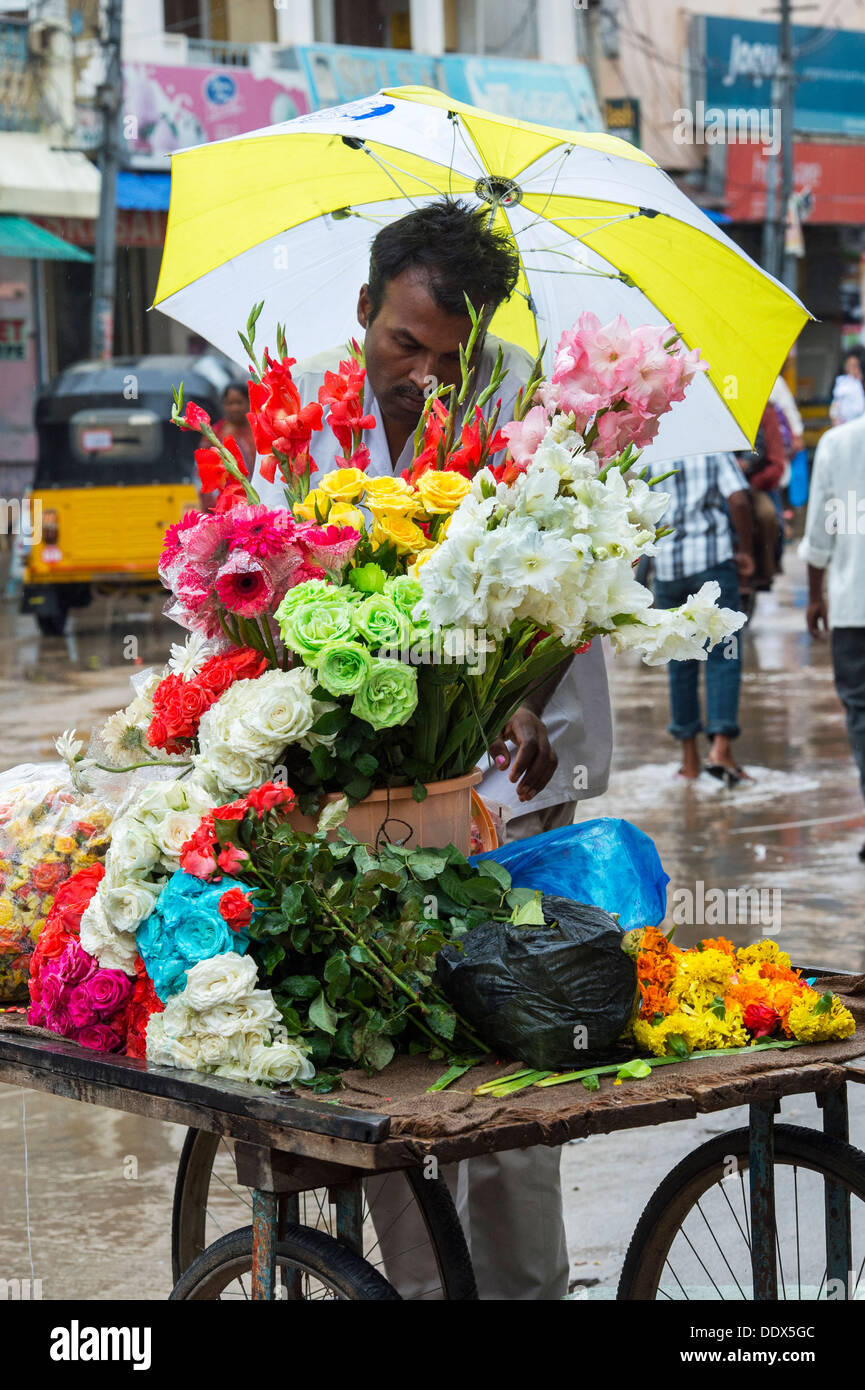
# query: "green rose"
x,y
380,623
343,667
302,593
405,592
389,696
368,579
315,625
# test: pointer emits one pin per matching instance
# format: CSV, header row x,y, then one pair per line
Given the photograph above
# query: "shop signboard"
x,y
545,93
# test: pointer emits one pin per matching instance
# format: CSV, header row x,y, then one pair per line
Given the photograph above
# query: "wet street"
x,y
98,1184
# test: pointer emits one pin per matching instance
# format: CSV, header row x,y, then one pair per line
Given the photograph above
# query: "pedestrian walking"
x,y
834,542
712,540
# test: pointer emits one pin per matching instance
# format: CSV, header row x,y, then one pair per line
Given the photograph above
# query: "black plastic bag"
x,y
555,997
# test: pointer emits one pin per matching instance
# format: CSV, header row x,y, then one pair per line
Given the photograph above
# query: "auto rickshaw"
x,y
112,474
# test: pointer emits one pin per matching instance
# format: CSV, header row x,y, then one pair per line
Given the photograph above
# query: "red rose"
x,y
761,1019
236,908
269,797
197,856
235,810
47,877
231,858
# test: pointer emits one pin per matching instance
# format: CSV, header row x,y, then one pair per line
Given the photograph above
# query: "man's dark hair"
x,y
453,245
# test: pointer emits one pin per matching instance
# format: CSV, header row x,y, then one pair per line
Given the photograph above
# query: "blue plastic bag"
x,y
797,488
607,862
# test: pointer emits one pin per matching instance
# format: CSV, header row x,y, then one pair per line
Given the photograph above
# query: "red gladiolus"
x,y
195,418
279,422
212,470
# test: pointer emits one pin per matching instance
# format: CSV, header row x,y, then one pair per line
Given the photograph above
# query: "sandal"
x,y
730,776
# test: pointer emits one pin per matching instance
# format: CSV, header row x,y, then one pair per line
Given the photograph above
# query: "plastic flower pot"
x,y
444,817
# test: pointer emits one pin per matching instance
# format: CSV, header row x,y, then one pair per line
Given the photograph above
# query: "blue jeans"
x,y
723,665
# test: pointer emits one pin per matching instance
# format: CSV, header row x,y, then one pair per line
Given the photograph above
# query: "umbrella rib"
x,y
540,215
386,166
472,153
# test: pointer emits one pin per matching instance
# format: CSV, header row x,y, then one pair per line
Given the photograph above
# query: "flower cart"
x,y
300,1168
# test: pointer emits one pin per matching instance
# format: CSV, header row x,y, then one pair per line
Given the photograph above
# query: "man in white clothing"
x,y
556,748
835,540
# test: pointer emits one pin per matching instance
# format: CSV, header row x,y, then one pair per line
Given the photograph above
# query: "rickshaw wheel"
x,y
693,1239
208,1199
310,1267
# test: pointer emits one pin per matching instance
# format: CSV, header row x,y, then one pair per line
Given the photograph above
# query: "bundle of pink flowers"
x,y
616,381
240,563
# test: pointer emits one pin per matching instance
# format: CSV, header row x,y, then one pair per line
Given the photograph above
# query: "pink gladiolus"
x,y
525,435
244,586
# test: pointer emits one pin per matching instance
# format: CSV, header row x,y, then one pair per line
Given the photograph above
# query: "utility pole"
x,y
775,258
785,52
105,252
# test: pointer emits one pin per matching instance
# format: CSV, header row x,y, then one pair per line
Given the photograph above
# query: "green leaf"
x,y
331,722
337,973
322,1015
634,1070
493,869
426,864
530,914
373,1049
441,1020
592,1083
291,1019
717,1007
419,791
333,814
678,1046
299,987
824,1003
291,903
270,953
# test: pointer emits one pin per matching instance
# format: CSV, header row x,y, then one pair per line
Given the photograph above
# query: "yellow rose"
x,y
5,911
65,844
344,484
391,495
400,531
419,562
442,491
344,514
314,507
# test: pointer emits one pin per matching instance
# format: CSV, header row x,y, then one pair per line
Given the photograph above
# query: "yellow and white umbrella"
x,y
286,215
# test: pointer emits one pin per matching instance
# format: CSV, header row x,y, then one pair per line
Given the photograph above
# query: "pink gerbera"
x,y
244,586
206,544
261,531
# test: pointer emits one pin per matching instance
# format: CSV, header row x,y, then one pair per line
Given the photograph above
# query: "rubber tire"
x,y
52,624
313,1251
674,1198
431,1194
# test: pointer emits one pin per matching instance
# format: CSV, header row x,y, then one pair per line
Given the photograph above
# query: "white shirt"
x,y
782,398
835,527
577,716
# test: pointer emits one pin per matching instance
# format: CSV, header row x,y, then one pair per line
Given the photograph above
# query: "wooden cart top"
x,y
391,1121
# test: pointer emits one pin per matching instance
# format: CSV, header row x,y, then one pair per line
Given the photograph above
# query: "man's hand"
x,y
745,565
817,617
534,762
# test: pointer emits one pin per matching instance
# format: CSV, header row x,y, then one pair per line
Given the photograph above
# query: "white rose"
x,y
283,710
279,1062
132,853
126,905
172,832
115,950
256,1011
213,1050
231,770
222,979
156,799
165,1051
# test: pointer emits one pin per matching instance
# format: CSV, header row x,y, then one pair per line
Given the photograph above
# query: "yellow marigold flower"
x,y
763,950
393,495
343,484
832,1025
441,490
314,507
344,514
399,531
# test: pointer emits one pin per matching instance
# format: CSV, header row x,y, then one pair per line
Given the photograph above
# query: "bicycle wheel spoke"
x,y
668,1266
720,1250
742,1233
796,1209
702,1265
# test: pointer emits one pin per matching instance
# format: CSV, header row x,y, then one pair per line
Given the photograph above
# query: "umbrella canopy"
x,y
286,215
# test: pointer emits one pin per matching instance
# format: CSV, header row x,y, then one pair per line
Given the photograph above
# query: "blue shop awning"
x,y
141,190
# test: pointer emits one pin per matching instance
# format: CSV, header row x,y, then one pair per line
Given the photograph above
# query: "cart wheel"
x,y
422,1224
310,1267
693,1240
